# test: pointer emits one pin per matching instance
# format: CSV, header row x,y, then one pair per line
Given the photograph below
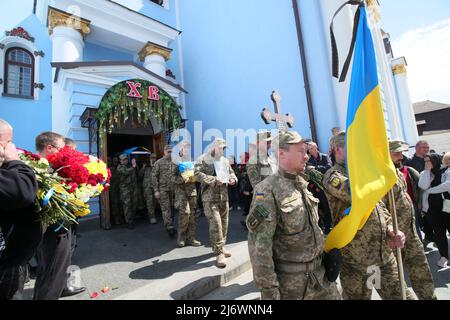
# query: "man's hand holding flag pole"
x,y
370,169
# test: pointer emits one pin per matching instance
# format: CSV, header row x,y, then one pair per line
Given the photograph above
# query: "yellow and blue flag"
x,y
370,169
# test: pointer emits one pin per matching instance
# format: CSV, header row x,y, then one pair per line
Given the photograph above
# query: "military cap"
x,y
168,147
338,139
123,156
398,146
219,142
264,136
286,137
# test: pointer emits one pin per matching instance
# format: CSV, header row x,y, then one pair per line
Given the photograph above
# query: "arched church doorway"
x,y
133,114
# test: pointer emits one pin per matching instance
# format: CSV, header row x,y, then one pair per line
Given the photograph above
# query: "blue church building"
x,y
116,74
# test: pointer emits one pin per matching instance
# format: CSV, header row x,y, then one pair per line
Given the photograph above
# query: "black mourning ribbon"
x,y
334,50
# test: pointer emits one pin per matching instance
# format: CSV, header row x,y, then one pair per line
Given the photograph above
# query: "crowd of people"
x,y
287,214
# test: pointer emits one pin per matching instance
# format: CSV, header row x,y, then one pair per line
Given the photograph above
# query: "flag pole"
x,y
399,252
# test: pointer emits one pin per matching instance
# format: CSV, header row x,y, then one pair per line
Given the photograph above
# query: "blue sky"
x,y
401,16
420,31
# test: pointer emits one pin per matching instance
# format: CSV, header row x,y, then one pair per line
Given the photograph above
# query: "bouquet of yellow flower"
x,y
54,202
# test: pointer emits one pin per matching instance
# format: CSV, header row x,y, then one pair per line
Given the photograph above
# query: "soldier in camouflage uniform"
x,y
215,198
415,261
114,194
128,189
285,241
147,188
186,202
369,253
259,166
163,174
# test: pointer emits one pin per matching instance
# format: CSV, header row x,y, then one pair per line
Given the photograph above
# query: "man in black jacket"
x,y
19,223
322,163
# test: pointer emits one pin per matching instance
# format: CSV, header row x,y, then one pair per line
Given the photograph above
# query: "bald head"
x,y
5,132
4,126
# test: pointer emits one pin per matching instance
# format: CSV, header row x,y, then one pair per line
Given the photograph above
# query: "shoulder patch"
x,y
255,218
335,182
259,196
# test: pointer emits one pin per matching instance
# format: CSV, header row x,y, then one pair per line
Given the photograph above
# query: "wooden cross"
x,y
282,121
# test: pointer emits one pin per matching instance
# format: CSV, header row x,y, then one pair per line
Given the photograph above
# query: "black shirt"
x,y
18,219
321,163
416,162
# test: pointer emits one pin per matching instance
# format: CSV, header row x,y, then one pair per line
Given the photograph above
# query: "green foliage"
x,y
116,108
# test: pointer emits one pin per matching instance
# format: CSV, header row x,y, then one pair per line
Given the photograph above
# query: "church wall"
x,y
31,117
235,53
95,52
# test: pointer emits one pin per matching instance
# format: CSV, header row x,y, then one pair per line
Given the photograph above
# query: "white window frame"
x,y
19,42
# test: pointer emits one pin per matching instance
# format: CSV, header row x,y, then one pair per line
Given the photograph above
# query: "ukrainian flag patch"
x,y
259,196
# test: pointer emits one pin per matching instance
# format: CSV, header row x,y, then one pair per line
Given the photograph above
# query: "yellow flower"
x,y
59,188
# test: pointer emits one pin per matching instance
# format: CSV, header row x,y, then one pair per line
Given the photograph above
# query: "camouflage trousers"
x,y
187,221
140,203
357,281
416,265
116,207
166,203
307,286
148,196
217,215
128,205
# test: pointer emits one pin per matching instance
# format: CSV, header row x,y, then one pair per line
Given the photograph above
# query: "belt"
x,y
295,267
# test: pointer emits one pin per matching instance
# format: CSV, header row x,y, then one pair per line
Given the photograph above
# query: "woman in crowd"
x,y
436,185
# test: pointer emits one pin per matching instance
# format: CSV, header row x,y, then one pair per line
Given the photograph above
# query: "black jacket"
x,y
18,219
322,163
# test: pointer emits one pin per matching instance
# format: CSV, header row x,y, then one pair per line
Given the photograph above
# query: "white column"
x,y
342,27
387,86
404,99
156,63
68,44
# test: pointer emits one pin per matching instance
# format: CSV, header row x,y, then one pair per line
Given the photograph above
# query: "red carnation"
x,y
73,187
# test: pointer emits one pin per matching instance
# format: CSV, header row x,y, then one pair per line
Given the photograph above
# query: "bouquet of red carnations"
x,y
67,181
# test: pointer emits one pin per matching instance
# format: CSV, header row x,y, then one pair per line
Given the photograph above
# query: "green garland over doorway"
x,y
116,108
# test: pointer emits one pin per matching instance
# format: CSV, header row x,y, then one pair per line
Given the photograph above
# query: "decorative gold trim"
x,y
153,48
373,6
60,18
399,69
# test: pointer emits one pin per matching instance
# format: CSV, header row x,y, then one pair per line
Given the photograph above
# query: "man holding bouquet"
x,y
186,198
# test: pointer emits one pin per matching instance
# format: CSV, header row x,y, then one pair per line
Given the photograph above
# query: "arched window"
x,y
19,72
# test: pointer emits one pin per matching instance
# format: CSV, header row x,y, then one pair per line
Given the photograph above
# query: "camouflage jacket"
x,y
115,181
147,180
163,173
369,247
258,168
127,176
403,205
283,226
183,189
205,174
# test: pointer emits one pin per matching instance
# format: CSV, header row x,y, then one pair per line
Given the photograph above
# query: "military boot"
x,y
220,261
194,243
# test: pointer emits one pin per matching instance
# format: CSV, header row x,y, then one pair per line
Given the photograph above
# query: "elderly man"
x,y
417,161
285,241
18,218
211,170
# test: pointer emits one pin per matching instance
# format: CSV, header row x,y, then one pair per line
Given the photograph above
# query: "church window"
x,y
160,2
19,72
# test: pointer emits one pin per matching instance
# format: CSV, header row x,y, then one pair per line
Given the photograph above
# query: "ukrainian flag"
x,y
370,169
